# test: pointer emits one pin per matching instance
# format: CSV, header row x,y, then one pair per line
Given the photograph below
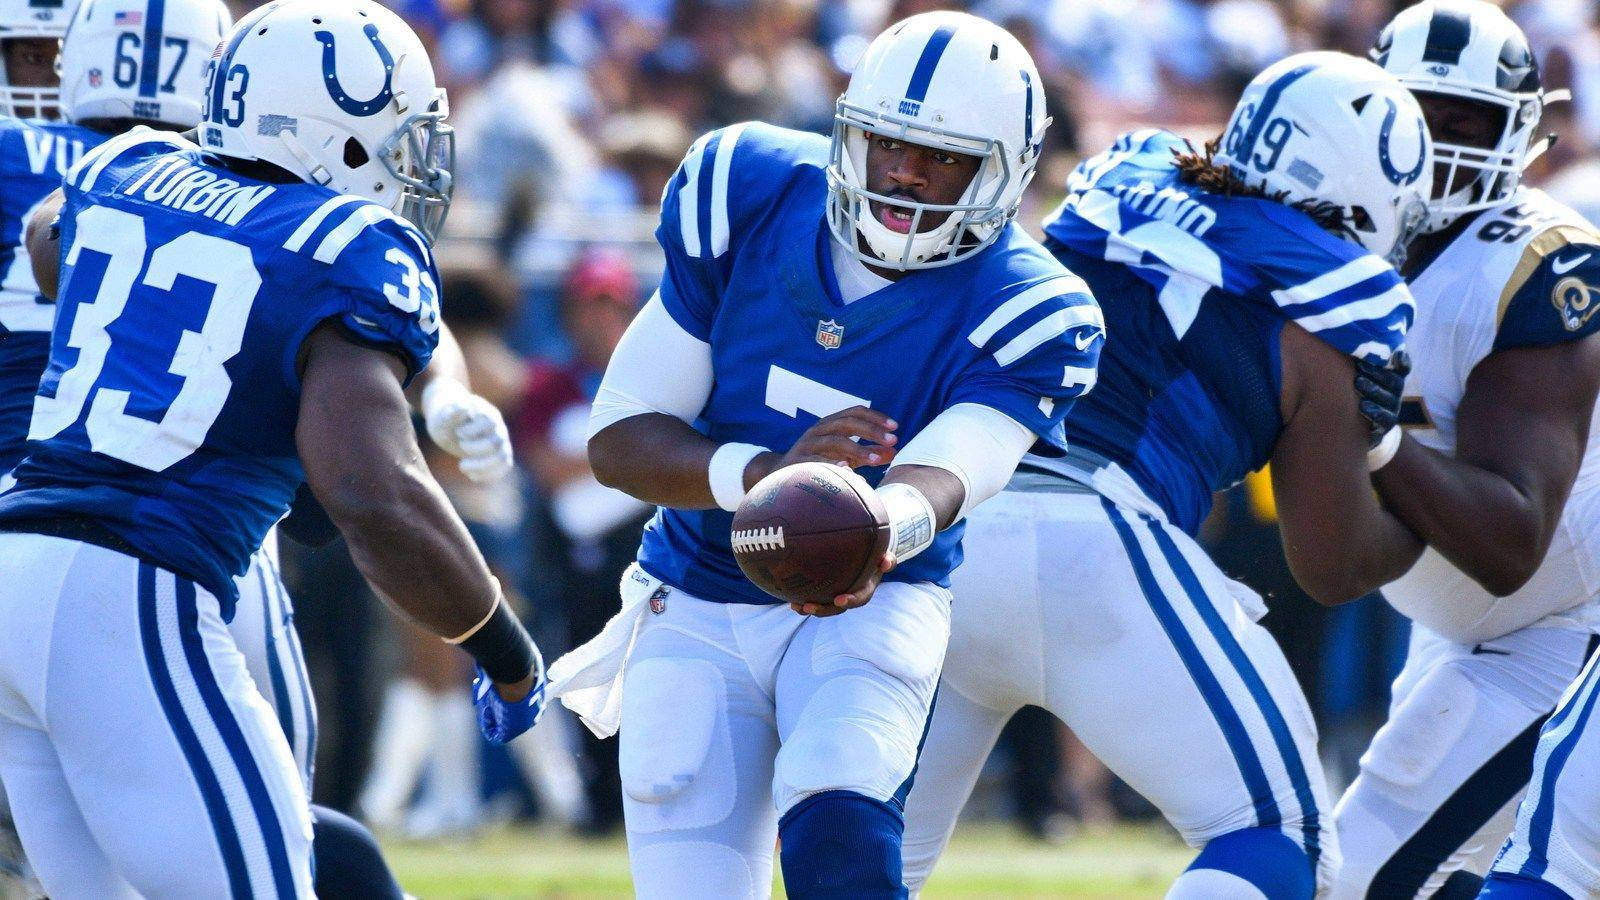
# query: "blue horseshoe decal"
x,y
331,78
1394,175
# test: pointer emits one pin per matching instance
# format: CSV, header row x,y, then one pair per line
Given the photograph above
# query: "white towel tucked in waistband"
x,y
589,678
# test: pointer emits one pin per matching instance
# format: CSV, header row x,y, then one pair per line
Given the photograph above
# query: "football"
x,y
810,532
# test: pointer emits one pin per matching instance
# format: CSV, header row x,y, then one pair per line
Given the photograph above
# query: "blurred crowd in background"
x,y
572,114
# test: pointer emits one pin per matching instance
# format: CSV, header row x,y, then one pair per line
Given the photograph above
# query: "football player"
x,y
1497,469
34,154
1240,285
30,35
164,441
875,289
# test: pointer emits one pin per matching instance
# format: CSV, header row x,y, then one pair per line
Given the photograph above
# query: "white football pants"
x,y
139,757
733,713
1439,786
1122,626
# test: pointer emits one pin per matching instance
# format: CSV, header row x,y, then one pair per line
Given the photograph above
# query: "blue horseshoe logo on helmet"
x,y
1395,176
336,90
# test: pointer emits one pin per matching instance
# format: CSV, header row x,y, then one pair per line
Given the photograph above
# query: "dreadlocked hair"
x,y
1201,169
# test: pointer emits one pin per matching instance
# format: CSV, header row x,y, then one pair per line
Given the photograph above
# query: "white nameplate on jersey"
x,y
43,148
173,182
830,334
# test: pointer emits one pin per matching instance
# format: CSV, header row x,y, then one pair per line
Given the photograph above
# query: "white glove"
x,y
468,427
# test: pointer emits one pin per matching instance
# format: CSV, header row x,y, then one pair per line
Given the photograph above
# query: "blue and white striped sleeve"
x,y
696,231
1358,304
1037,352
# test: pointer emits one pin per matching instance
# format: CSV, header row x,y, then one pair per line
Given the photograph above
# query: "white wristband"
x,y
726,473
911,522
1388,446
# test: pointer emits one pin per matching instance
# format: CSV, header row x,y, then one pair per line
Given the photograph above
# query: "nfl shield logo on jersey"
x,y
830,334
658,600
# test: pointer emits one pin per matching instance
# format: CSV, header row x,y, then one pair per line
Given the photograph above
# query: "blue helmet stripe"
x,y
1027,109
155,15
927,62
1263,114
1448,33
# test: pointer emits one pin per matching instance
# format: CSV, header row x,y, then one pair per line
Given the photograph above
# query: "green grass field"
x,y
985,860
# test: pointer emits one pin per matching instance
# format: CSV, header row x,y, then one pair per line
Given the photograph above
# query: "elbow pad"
x,y
978,444
658,367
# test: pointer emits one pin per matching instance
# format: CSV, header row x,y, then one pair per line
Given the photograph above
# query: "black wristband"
x,y
502,646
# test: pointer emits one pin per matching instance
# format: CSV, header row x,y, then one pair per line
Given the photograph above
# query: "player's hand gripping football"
x,y
500,718
469,428
858,437
853,599
1380,390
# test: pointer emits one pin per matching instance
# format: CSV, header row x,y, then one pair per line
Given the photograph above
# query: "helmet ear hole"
x,y
355,155
1362,220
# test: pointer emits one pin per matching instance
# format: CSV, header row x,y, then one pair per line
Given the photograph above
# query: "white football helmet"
x,y
950,81
1330,128
140,59
1472,50
21,20
340,94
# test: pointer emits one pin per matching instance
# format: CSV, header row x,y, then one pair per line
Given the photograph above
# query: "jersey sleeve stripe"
x,y
1347,275
339,238
1533,255
1047,328
1373,309
689,199
719,189
302,234
94,162
1007,312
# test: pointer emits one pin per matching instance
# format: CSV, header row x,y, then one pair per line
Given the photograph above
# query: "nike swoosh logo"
x,y
1479,649
1563,266
1084,340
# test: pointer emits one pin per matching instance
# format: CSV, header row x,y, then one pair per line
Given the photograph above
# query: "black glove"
x,y
1379,390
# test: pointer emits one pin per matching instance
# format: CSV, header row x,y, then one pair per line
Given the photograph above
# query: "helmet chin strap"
x,y
317,172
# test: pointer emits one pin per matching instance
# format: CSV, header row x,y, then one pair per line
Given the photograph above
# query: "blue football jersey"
x,y
1196,288
34,155
167,413
749,271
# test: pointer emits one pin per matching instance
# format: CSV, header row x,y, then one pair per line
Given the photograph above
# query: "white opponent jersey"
x,y
1526,273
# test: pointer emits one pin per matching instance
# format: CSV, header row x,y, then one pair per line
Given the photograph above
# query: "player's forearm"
x,y
415,551
658,459
1482,522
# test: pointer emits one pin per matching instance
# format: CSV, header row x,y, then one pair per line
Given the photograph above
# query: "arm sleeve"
x,y
1552,298
978,444
658,367
383,291
1037,354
